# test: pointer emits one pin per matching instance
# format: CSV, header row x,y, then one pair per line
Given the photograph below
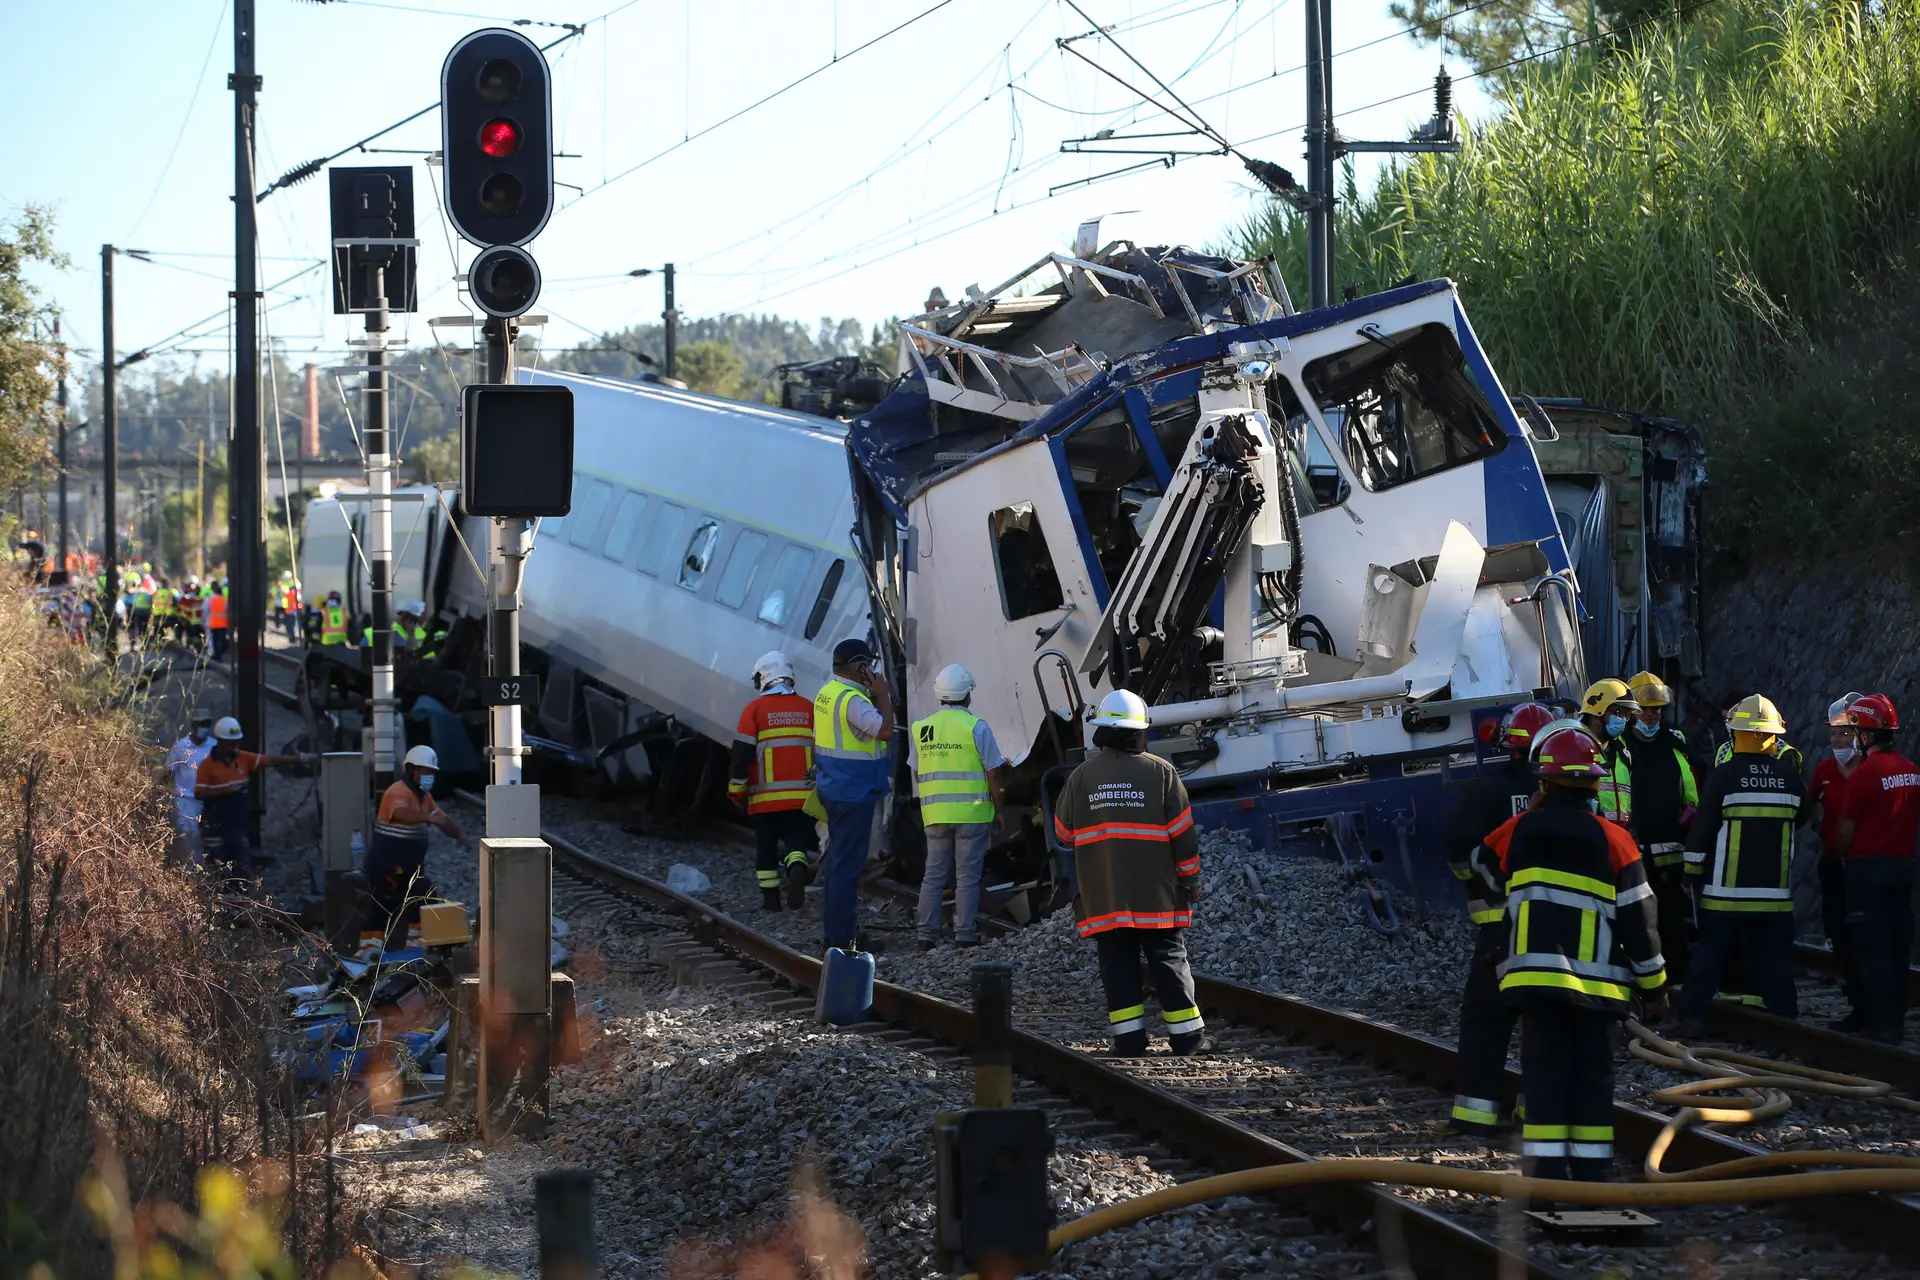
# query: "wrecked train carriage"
x,y
1317,544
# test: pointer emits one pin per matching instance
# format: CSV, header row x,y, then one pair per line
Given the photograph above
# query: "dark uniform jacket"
x,y
1741,845
1125,816
1579,908
1663,785
1498,795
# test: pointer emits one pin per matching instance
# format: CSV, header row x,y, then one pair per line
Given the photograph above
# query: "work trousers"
x,y
849,838
1765,938
1833,922
789,827
396,873
225,823
187,813
1486,1032
1165,952
141,617
217,643
1566,1068
1880,918
959,850
1675,907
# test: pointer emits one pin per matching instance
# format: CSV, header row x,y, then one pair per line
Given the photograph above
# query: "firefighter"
x,y
1665,798
396,859
1488,807
1879,824
333,620
1573,881
958,771
852,774
1827,788
1125,816
1605,710
163,621
221,784
772,780
1740,856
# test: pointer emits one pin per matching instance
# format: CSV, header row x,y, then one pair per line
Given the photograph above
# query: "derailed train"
x,y
1322,545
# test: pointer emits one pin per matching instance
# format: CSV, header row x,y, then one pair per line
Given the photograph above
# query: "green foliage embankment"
x,y
1715,224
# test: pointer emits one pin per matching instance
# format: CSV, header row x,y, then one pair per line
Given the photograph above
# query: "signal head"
x,y
496,117
504,281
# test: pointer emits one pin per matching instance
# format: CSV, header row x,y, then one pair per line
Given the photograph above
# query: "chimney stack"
x,y
310,422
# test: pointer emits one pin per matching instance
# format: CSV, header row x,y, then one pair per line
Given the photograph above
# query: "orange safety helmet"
x,y
1524,722
1570,752
1875,711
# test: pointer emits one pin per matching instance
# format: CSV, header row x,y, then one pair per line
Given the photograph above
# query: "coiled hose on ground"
x,y
1759,1083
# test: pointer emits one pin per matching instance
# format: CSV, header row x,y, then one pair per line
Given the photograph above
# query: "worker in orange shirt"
x,y
397,857
216,613
772,779
220,784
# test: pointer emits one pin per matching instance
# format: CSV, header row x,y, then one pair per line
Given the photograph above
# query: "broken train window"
x,y
1028,581
1405,406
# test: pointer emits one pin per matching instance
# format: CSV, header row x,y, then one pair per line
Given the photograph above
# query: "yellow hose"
x,y
1762,1087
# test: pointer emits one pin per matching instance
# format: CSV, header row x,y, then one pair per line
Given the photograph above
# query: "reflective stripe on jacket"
x,y
777,728
1126,818
1580,912
333,625
952,777
1616,789
847,769
1741,845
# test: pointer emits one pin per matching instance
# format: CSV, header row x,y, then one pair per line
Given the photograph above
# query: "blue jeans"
x,y
959,849
849,836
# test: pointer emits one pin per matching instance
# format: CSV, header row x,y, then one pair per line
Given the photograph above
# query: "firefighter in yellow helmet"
x,y
1605,710
1739,855
1665,797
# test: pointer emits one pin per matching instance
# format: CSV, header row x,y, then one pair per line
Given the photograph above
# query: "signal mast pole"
x,y
247,552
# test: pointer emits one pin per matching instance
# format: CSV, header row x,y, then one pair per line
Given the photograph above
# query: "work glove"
x,y
1686,814
737,794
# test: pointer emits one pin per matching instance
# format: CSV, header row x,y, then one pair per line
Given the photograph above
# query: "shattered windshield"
x,y
1405,406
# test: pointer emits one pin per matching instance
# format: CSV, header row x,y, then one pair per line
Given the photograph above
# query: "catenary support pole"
x,y
1329,152
247,551
380,537
1318,197
110,452
61,400
671,319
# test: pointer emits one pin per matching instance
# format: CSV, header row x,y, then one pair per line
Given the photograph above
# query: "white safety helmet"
x,y
771,667
953,683
1121,709
418,608
227,729
422,758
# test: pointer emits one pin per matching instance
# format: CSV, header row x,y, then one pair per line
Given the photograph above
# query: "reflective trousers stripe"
x,y
768,879
1181,1021
1476,1110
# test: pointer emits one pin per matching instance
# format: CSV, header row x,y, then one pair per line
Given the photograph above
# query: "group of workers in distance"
x,y
192,614
1123,813
1599,871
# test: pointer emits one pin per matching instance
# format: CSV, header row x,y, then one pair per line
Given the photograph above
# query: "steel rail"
x,y
1892,1220
1438,1242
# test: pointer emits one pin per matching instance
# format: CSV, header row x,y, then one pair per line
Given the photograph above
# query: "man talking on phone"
x,y
852,737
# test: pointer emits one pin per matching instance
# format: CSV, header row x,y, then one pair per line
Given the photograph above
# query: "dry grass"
x,y
133,1020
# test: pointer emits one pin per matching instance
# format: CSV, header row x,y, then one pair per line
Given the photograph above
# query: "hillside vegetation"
x,y
1716,224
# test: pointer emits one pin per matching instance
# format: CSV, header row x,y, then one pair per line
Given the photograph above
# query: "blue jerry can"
x,y
846,988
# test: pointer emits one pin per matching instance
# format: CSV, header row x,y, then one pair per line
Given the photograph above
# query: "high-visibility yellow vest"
x,y
847,769
333,625
952,777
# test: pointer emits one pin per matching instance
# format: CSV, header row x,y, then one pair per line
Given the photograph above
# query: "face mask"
x,y
199,736
1616,725
1644,729
1593,804
1841,755
426,782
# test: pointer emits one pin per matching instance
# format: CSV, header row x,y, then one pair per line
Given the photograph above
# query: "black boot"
x,y
1129,1044
1188,1045
799,876
770,899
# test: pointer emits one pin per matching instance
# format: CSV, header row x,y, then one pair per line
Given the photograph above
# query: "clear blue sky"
x,y
925,159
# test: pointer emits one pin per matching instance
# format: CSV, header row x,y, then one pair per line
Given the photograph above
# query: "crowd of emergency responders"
x,y
1607,862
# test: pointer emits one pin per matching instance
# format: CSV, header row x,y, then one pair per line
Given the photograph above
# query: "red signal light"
x,y
500,138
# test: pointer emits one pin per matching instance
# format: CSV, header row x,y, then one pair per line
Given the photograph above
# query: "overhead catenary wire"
x,y
755,105
186,118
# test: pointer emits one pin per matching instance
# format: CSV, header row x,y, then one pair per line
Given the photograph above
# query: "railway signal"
x,y
504,281
496,138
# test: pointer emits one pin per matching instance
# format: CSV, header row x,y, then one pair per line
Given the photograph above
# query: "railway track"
x,y
1295,1081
